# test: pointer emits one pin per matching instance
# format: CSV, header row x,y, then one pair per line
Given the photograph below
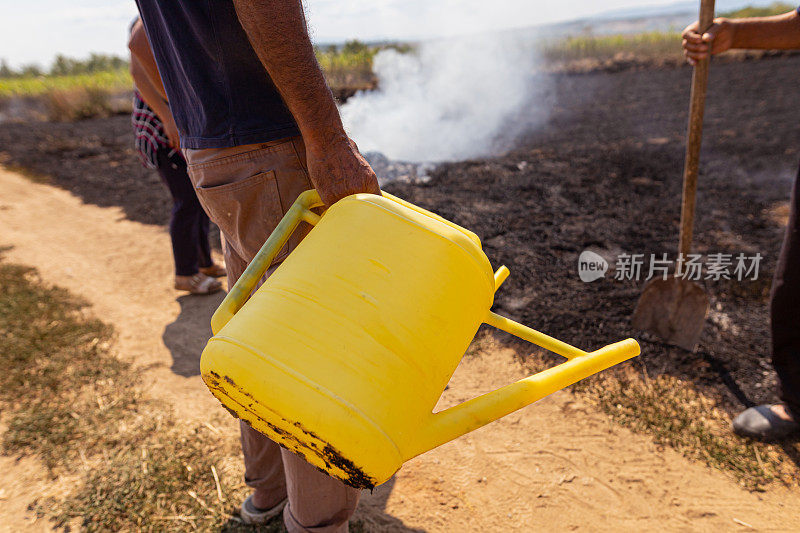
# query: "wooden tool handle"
x,y
694,136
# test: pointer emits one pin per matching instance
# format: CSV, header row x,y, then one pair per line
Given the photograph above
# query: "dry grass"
x,y
674,413
66,399
70,402
66,105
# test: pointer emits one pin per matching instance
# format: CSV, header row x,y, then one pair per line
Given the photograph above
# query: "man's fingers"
x,y
692,37
697,56
695,48
690,29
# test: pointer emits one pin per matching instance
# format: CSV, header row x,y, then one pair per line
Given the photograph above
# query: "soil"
x,y
604,174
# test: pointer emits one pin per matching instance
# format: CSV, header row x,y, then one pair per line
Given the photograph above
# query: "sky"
x,y
34,31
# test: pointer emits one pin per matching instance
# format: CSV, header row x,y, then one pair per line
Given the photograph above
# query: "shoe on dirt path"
x,y
762,423
197,284
214,271
252,515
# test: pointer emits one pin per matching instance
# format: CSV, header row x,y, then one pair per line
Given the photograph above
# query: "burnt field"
x,y
604,173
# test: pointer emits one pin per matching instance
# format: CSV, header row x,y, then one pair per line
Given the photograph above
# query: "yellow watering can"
x,y
342,354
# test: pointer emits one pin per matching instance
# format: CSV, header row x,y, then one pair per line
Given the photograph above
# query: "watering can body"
x,y
342,354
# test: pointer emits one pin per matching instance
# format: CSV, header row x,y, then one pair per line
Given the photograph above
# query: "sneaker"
x,y
214,271
253,516
762,423
197,284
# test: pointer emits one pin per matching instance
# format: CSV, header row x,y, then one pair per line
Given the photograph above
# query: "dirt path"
x,y
558,465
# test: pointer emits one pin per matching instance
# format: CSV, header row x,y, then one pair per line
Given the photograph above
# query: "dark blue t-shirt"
x,y
218,90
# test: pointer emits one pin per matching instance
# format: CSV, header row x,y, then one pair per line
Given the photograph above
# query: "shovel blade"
x,y
674,309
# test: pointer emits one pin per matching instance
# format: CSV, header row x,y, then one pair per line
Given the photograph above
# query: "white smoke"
x,y
452,99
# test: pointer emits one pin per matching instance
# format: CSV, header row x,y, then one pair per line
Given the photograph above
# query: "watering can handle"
x,y
237,296
451,423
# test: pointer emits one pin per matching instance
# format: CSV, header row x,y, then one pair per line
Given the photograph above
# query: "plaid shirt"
x,y
148,132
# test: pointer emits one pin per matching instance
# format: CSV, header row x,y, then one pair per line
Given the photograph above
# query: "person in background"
x,y
768,422
157,142
259,126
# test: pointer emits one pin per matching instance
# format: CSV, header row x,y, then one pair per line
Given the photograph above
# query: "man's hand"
x,y
277,30
717,39
339,170
778,32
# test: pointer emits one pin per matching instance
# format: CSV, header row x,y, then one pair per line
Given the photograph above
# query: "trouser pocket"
x,y
246,211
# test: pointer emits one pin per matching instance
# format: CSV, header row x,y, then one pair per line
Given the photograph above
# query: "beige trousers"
x,y
246,190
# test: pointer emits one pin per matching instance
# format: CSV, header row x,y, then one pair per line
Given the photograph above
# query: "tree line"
x,y
65,66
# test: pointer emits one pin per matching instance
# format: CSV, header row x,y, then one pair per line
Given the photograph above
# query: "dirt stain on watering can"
x,y
353,476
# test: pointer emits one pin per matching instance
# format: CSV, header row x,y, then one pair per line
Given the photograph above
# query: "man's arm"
x,y
148,81
278,33
780,32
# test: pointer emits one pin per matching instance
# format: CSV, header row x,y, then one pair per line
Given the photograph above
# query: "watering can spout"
x,y
454,422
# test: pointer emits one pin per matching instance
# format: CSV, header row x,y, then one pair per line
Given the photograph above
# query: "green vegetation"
x,y
775,8
112,80
350,65
66,66
642,46
98,71
74,89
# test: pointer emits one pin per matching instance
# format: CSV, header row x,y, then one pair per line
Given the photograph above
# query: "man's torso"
x,y
218,90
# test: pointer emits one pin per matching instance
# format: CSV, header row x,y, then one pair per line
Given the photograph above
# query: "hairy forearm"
x,y
781,32
278,33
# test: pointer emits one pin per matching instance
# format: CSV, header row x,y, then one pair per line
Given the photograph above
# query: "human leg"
x,y
769,422
183,226
247,190
785,310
